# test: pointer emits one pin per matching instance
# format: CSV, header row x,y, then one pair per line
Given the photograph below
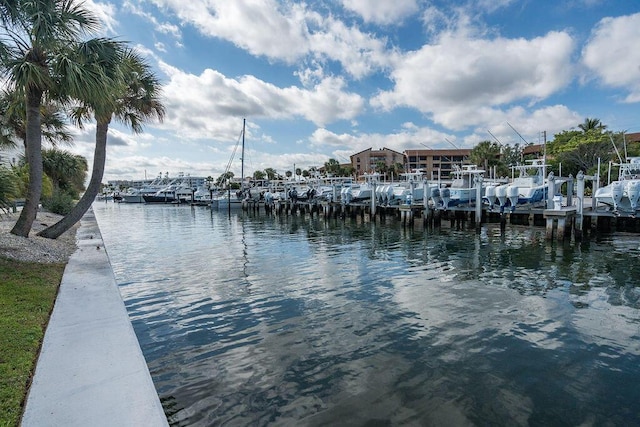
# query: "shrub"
x,y
8,188
59,203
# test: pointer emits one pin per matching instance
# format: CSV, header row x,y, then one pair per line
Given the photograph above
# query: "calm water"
x,y
259,320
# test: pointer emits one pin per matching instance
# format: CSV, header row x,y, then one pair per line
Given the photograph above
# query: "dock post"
x,y
478,180
551,180
372,213
570,190
559,219
580,206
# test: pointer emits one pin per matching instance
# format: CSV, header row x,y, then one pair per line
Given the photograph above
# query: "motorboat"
x,y
136,195
361,191
529,187
622,195
409,190
462,189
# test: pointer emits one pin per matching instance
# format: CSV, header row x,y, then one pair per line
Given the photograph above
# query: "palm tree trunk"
x,y
33,138
83,205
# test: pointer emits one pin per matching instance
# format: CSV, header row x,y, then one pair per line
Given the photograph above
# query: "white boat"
x,y
177,191
529,187
135,195
622,196
463,187
361,191
409,190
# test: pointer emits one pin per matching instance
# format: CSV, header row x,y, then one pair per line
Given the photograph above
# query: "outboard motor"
x,y
501,195
512,195
435,197
346,195
490,195
633,193
445,193
617,191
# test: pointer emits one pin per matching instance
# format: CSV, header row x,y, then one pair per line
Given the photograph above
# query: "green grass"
x,y
27,294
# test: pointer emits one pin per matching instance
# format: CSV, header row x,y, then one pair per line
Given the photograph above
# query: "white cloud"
x,y
461,81
612,55
106,14
410,137
161,27
382,12
210,104
284,31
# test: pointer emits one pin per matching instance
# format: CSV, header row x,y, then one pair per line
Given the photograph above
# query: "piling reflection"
x,y
259,320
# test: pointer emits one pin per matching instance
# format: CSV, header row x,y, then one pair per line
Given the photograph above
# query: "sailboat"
x,y
233,199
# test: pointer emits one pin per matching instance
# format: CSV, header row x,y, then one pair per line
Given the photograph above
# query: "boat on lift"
x,y
529,187
361,191
410,189
623,195
462,189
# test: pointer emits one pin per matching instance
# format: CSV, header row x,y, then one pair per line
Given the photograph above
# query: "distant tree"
x,y
347,171
306,173
332,167
271,173
288,174
511,155
259,175
592,125
298,172
579,151
381,167
225,177
485,154
397,168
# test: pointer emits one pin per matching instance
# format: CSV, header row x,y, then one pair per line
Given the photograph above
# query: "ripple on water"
x,y
256,320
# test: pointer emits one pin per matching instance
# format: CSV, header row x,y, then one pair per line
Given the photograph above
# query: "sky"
x,y
317,80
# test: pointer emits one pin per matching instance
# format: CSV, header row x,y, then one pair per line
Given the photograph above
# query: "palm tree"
x,y
67,171
592,124
41,56
134,99
485,154
13,125
271,173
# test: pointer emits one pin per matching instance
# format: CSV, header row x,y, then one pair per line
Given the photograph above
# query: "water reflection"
x,y
265,320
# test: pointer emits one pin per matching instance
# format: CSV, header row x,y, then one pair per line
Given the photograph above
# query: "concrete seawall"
x,y
91,371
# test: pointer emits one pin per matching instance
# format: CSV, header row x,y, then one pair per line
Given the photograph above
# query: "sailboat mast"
x,y
242,157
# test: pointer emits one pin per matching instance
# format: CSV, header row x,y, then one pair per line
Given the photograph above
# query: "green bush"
x,y
59,203
8,188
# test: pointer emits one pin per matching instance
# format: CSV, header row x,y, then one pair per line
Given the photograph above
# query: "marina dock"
x,y
566,217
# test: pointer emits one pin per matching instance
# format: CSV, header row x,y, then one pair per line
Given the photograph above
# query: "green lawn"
x,y
27,294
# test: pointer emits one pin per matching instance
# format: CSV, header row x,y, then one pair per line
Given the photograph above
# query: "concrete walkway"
x,y
91,371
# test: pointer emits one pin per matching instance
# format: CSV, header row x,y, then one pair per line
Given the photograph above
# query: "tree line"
x,y
54,70
570,151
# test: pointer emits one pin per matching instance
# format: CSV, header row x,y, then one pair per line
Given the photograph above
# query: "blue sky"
x,y
326,79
